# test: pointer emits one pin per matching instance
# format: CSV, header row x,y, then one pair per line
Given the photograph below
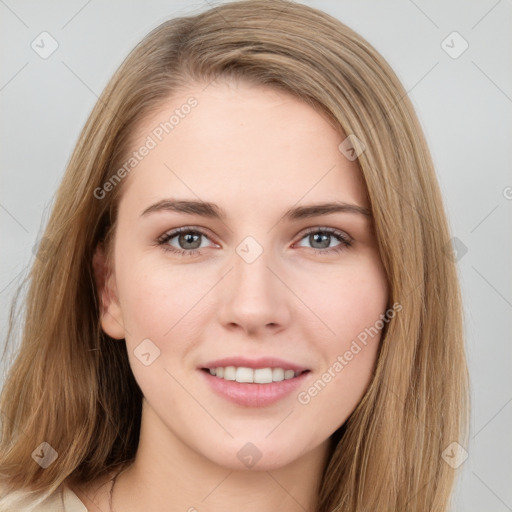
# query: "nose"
x,y
254,297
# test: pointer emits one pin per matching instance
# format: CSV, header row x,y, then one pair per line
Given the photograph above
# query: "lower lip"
x,y
250,394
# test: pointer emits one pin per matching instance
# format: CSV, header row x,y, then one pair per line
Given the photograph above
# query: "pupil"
x,y
188,238
325,238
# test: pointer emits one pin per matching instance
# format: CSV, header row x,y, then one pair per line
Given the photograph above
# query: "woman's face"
x,y
258,279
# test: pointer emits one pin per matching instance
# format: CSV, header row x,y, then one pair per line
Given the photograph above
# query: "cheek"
x,y
356,297
352,309
159,299
164,303
160,304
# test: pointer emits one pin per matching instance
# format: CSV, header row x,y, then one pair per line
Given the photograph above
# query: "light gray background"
x,y
464,104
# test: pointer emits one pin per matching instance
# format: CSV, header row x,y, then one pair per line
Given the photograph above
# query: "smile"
x,y
253,375
248,392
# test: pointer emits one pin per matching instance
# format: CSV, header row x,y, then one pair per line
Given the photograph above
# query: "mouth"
x,y
242,374
254,387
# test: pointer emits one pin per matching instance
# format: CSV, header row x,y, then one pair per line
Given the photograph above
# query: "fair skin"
x,y
255,152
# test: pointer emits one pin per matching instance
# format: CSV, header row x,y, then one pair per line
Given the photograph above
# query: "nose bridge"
x,y
253,267
254,297
251,275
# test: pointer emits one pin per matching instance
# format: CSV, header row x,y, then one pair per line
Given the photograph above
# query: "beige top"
x,y
62,500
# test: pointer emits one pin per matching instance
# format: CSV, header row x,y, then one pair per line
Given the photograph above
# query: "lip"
x,y
250,394
262,362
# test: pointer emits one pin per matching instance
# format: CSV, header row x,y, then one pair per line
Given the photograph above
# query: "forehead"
x,y
242,142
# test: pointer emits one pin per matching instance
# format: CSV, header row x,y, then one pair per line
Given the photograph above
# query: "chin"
x,y
258,455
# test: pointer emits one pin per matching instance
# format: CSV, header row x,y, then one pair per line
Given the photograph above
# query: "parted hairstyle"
x,y
71,385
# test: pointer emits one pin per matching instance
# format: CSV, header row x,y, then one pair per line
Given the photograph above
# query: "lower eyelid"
x,y
338,235
344,240
166,237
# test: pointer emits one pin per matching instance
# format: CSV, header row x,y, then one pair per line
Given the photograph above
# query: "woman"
x,y
187,344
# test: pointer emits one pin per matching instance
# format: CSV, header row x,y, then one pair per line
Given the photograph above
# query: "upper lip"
x,y
262,362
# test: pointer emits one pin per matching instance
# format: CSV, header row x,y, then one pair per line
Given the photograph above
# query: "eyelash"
x,y
346,242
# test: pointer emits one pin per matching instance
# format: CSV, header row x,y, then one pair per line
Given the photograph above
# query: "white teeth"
x,y
289,374
229,373
263,375
277,374
244,374
257,376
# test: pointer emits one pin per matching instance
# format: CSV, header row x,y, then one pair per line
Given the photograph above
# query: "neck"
x,y
167,475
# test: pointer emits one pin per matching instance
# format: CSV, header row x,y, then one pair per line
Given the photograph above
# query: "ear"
x,y
110,310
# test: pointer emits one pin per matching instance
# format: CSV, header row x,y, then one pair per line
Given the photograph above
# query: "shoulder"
x,y
62,500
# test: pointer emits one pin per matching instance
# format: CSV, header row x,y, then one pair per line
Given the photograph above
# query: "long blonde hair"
x,y
71,385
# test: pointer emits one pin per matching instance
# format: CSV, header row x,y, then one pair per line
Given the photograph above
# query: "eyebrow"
x,y
213,211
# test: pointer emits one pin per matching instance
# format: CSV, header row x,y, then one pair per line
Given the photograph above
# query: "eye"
x,y
188,240
321,238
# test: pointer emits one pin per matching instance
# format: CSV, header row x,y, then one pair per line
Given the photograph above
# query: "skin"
x,y
255,152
